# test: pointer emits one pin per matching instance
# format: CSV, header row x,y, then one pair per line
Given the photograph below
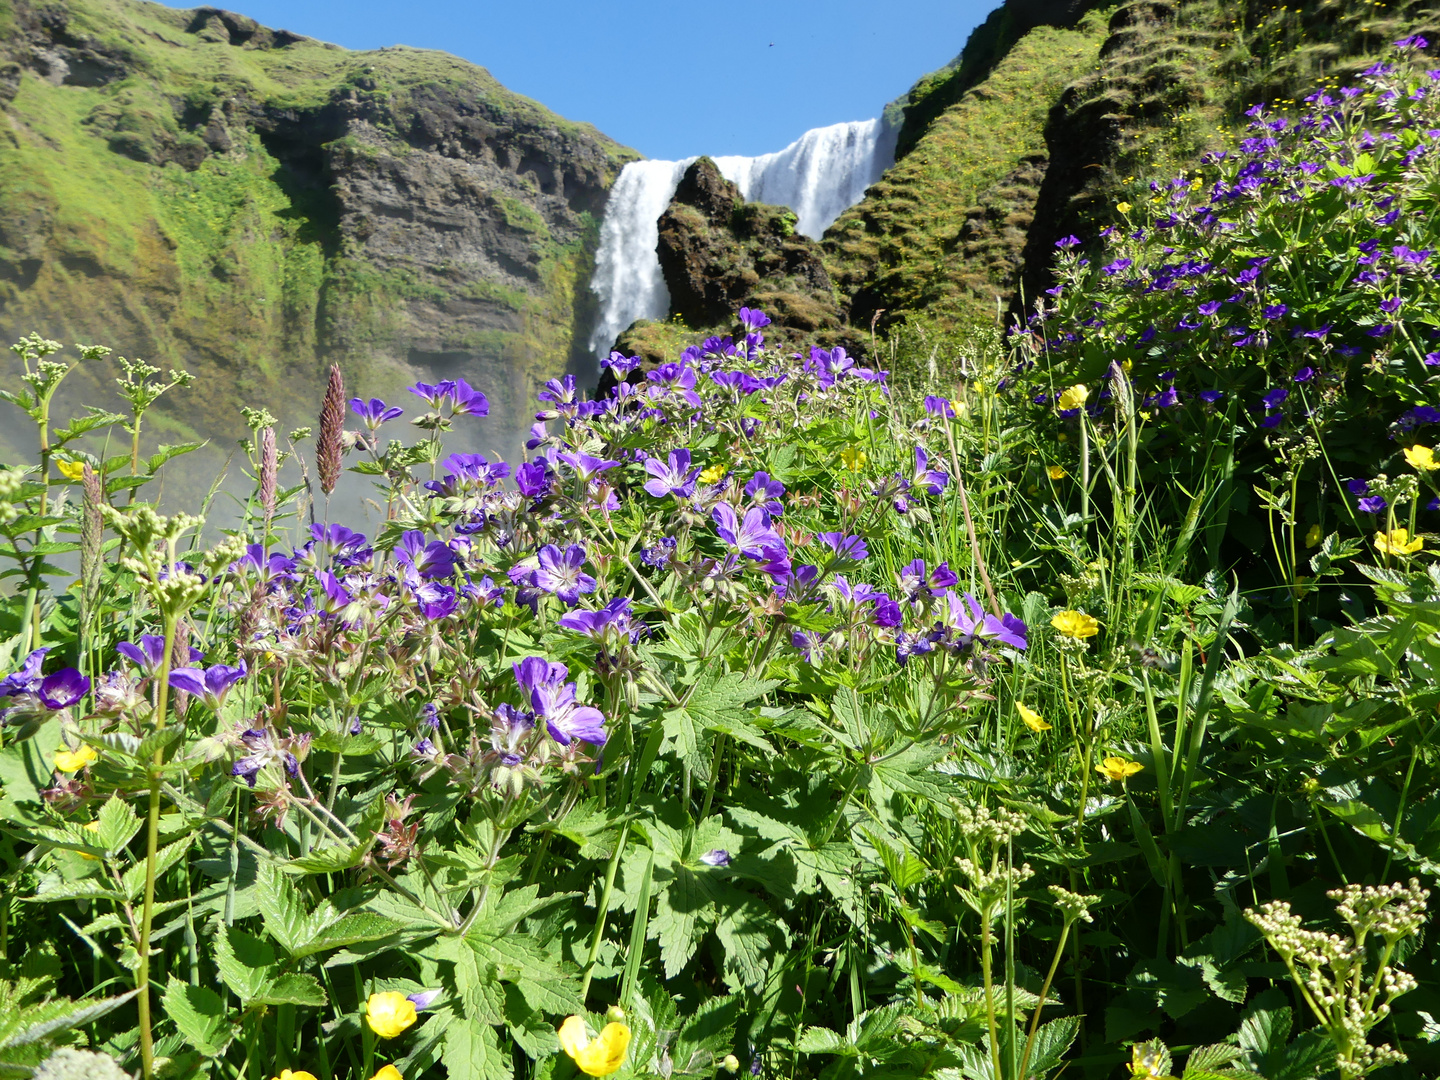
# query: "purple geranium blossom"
x,y
211,684
716,857
845,546
764,492
553,700
753,319
752,536
587,467
149,652
673,477
1371,504
611,623
969,621
374,412
62,689
561,573
27,680
427,561
939,406
932,480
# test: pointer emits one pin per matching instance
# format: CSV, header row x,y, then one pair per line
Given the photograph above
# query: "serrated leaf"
x,y
134,878
1051,1042
821,1040
295,988
350,929
284,916
327,860
198,1014
117,824
78,1014
246,964
472,1052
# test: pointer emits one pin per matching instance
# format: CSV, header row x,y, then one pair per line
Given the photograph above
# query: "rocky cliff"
x,y
197,189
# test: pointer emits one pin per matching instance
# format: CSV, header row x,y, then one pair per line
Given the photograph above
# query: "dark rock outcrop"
x,y
718,253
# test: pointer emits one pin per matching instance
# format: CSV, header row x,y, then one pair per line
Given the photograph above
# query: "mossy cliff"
x,y
1058,110
196,189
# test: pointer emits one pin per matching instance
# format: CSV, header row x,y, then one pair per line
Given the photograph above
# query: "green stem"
x,y
604,912
1044,993
152,843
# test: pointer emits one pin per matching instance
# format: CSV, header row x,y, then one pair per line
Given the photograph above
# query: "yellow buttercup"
x,y
599,1056
1398,542
1076,624
389,1013
388,1072
1118,768
75,760
1074,397
1033,720
1422,458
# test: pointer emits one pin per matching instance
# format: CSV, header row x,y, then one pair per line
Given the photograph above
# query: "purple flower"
x,y
62,689
1275,311
27,680
1371,504
1275,398
1357,486
752,536
374,412
1209,397
1210,307
211,684
939,406
765,493
932,480
968,621
553,700
1305,374
610,624
533,479
1065,243
561,573
809,644
424,999
753,319
339,543
847,547
587,467
673,477
620,364
434,600
462,398
429,562
716,857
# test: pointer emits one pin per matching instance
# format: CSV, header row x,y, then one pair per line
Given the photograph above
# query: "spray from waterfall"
x,y
819,176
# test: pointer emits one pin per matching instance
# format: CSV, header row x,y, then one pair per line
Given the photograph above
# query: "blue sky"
x,y
671,78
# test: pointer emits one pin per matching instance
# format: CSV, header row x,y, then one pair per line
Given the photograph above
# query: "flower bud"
x,y
731,1063
615,1015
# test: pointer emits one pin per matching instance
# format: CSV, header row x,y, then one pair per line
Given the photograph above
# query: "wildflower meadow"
x,y
1064,710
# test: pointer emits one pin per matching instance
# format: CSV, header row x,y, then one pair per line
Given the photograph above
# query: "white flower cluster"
x,y
1330,969
70,1064
982,825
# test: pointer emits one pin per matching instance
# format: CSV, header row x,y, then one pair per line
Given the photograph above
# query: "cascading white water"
x,y
819,176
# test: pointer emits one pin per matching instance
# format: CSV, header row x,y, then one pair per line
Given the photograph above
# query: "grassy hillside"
x,y
248,204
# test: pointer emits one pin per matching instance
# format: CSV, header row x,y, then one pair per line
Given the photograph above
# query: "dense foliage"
x,y
767,717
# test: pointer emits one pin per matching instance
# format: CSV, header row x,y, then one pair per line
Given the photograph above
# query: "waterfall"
x,y
819,176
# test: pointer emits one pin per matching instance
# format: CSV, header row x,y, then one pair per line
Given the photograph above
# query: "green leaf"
x,y
118,824
167,857
682,916
198,1014
247,964
296,988
168,451
327,860
350,929
284,916
820,1040
472,1052
73,1014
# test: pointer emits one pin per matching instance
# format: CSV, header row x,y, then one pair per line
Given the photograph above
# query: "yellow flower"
x,y
1126,365
75,470
90,826
1033,720
388,1072
1057,472
1074,397
600,1056
1422,458
389,1013
1123,207
1195,184
1398,542
75,760
712,474
1118,768
1076,624
298,1074
854,458
1314,536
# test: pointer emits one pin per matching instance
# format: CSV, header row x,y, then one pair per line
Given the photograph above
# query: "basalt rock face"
x,y
202,191
718,254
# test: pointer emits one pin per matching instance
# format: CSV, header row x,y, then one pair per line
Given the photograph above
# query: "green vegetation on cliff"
x,y
250,205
